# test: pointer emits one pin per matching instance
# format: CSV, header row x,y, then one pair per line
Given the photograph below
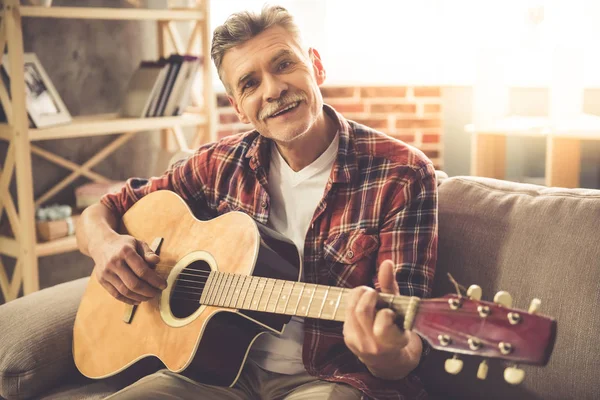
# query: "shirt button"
x,y
263,204
350,254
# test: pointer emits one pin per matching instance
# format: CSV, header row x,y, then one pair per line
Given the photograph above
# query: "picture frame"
x,y
44,105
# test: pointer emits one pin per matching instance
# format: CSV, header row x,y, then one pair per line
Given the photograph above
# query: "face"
x,y
274,84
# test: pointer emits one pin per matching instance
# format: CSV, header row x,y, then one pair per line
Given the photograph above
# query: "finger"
x,y
386,331
149,256
365,311
387,279
139,267
112,290
352,331
132,283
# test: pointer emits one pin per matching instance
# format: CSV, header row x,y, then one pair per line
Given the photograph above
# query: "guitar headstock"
x,y
468,325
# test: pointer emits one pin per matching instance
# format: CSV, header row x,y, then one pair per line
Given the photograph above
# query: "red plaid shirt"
x,y
380,203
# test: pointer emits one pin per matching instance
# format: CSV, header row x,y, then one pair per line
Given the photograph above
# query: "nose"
x,y
274,88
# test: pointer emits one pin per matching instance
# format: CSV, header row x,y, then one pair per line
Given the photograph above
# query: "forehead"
x,y
257,51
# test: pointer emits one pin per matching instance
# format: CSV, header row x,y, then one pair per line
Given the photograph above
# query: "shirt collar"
x,y
345,167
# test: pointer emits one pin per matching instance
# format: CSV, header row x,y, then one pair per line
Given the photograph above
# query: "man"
x,y
361,208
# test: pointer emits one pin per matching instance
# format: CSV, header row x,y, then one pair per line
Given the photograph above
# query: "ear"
x,y
242,117
315,57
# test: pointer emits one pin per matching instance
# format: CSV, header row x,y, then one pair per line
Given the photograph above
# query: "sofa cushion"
x,y
82,391
531,241
36,340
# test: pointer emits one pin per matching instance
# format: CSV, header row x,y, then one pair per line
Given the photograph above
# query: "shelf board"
x,y
10,246
57,246
113,13
105,124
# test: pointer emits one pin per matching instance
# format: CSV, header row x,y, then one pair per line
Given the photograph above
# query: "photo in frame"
x,y
44,106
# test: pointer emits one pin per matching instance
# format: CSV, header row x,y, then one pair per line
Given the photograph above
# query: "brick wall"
x,y
411,114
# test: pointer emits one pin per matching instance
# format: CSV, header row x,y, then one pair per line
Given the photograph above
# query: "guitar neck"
x,y
292,298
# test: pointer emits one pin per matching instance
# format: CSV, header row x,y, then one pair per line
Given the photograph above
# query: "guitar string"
x,y
203,273
261,288
227,275
227,303
340,312
317,298
195,273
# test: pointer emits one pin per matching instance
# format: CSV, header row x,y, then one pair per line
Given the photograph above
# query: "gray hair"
x,y
243,26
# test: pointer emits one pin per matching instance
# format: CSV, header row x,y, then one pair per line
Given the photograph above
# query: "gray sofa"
x,y
529,240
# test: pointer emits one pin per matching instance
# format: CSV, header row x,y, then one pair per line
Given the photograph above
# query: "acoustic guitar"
x,y
231,279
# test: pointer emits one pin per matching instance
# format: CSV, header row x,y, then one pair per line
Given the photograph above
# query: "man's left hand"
x,y
372,335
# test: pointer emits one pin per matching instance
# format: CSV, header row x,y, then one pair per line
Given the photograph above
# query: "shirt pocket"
x,y
350,258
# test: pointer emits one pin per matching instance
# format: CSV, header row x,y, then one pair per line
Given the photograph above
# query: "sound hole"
x,y
185,295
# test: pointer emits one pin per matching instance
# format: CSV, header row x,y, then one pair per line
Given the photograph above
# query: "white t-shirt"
x,y
294,198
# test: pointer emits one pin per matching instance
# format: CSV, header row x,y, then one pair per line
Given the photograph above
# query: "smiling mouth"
x,y
286,109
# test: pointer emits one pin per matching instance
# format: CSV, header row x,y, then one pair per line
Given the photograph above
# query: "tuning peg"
x,y
453,365
474,292
482,371
514,375
503,298
534,306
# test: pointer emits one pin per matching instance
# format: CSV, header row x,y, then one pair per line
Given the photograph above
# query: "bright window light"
x,y
437,42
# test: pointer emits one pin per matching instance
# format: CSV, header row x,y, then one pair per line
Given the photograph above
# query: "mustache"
x,y
282,102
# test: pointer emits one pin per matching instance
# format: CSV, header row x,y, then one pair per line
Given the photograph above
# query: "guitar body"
x,y
209,344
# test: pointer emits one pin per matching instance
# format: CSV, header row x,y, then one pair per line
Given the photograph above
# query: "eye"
x,y
250,83
284,65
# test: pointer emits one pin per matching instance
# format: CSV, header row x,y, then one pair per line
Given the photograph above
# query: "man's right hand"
x,y
125,268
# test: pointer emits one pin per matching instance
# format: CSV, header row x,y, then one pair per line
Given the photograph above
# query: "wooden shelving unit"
x,y
23,246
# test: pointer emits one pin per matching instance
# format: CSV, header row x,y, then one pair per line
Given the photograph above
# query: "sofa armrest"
x,y
36,340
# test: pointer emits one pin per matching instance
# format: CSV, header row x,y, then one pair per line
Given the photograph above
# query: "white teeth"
x,y
285,109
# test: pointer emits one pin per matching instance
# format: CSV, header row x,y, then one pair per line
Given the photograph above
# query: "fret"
x,y
337,304
221,288
214,294
323,303
265,295
261,286
289,295
329,308
299,297
278,297
253,288
272,281
207,288
233,291
312,296
227,290
222,295
239,287
244,290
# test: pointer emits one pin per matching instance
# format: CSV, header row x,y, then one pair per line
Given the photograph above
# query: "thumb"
x,y
146,252
387,278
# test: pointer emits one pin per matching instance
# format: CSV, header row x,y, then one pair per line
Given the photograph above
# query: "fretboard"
x,y
285,297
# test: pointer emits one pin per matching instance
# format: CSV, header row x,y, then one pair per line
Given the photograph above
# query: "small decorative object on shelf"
x,y
55,222
44,105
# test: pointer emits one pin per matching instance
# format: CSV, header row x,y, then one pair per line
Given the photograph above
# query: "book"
x,y
175,61
182,79
143,85
184,98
